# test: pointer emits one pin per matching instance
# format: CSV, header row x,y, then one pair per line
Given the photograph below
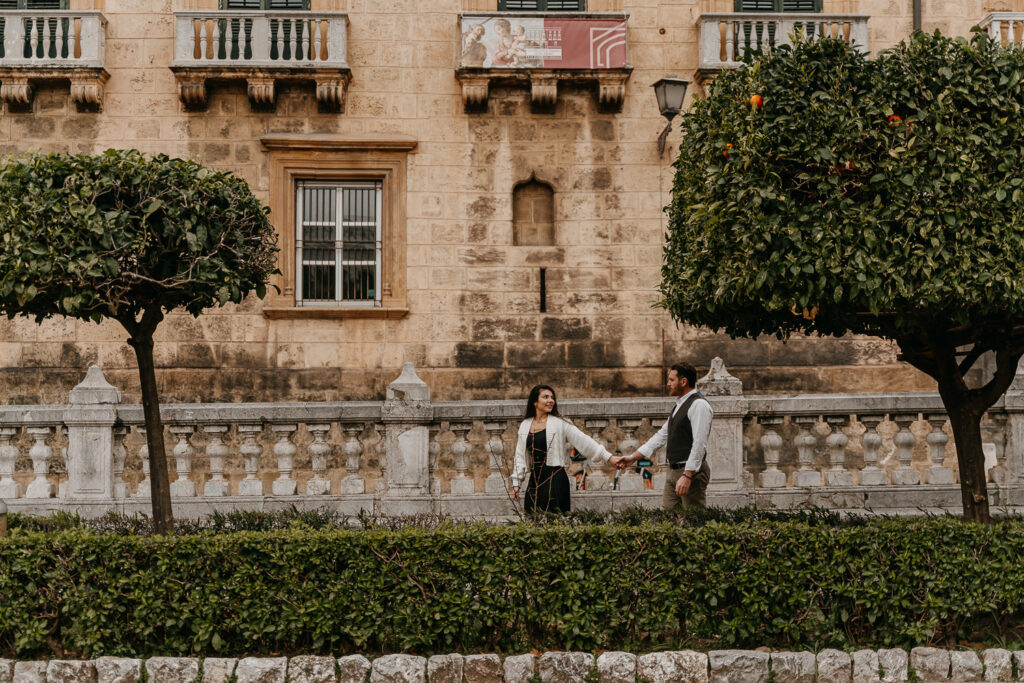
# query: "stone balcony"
x,y
1006,28
542,50
44,46
262,49
725,36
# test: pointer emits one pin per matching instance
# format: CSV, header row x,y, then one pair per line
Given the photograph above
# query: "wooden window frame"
x,y
542,7
331,158
777,7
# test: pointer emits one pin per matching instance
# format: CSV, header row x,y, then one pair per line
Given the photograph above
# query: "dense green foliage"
x,y
820,212
797,584
820,191
108,235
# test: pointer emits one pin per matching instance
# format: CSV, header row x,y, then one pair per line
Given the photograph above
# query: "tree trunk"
x,y
970,457
163,518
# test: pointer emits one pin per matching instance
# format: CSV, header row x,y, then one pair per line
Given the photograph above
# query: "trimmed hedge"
x,y
511,588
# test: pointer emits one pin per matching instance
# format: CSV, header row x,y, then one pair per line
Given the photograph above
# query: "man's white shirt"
x,y
700,414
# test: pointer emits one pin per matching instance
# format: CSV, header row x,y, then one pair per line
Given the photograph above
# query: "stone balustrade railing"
x,y
406,454
260,48
52,45
247,38
52,38
1007,28
725,36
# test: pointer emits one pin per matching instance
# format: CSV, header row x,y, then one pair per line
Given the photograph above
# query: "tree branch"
x,y
972,357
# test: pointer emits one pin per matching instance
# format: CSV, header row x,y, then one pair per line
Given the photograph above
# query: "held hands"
x,y
623,461
515,493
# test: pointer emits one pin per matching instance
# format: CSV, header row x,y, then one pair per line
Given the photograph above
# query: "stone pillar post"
x,y
90,418
1014,444
407,414
318,451
183,486
905,475
725,445
352,449
251,450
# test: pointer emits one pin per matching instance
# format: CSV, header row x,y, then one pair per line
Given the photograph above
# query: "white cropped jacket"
x,y
557,433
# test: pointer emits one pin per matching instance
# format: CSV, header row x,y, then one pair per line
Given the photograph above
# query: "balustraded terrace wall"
x,y
887,453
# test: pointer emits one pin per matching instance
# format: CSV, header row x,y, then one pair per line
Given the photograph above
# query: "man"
x,y
685,435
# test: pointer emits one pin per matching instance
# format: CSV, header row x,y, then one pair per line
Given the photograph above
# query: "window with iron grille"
x,y
338,243
33,4
542,5
265,4
778,5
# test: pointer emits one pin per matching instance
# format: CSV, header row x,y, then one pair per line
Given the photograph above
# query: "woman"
x,y
541,449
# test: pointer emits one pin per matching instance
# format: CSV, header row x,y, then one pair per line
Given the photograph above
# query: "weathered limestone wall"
x,y
474,326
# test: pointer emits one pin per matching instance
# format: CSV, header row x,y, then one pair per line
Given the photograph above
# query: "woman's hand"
x,y
515,493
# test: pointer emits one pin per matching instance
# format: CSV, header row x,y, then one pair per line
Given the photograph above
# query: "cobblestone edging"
x,y
923,664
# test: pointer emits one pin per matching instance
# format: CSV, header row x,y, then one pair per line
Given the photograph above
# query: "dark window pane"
x,y
799,6
318,282
358,283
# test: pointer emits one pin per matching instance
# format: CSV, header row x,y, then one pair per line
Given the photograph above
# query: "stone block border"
x,y
924,664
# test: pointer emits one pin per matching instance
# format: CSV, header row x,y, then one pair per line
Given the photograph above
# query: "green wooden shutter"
x,y
542,5
33,4
777,5
266,4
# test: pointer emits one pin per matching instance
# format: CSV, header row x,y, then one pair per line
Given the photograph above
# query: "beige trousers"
x,y
695,497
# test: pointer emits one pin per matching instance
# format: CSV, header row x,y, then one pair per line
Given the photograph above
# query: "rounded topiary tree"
x,y
124,236
874,196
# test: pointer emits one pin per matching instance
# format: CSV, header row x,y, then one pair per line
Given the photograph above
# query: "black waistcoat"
x,y
680,432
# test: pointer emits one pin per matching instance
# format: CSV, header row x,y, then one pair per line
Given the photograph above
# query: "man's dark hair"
x,y
686,370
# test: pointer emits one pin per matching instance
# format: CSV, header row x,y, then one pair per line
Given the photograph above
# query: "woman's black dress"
x,y
548,490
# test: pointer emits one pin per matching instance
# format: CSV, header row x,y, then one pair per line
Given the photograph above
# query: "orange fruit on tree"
x,y
756,101
725,153
895,120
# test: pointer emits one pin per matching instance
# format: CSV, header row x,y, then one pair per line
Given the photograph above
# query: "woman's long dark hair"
x,y
531,409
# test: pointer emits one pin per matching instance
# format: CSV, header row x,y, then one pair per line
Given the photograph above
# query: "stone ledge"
x,y
332,313
17,84
543,84
331,83
720,666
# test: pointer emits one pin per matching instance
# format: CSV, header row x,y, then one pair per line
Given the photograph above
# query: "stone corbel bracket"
x,y
17,85
331,84
544,86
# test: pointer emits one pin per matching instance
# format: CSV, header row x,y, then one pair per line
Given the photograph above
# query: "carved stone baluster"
x,y
937,440
216,451
771,444
319,485
805,442
495,483
871,441
41,452
837,475
597,480
145,488
905,475
629,481
183,487
120,454
251,450
999,474
462,485
352,484
285,450
9,489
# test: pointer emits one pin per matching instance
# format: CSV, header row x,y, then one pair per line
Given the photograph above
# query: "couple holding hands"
x,y
541,447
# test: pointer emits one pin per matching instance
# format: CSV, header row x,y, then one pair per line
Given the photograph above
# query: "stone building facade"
x,y
511,224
